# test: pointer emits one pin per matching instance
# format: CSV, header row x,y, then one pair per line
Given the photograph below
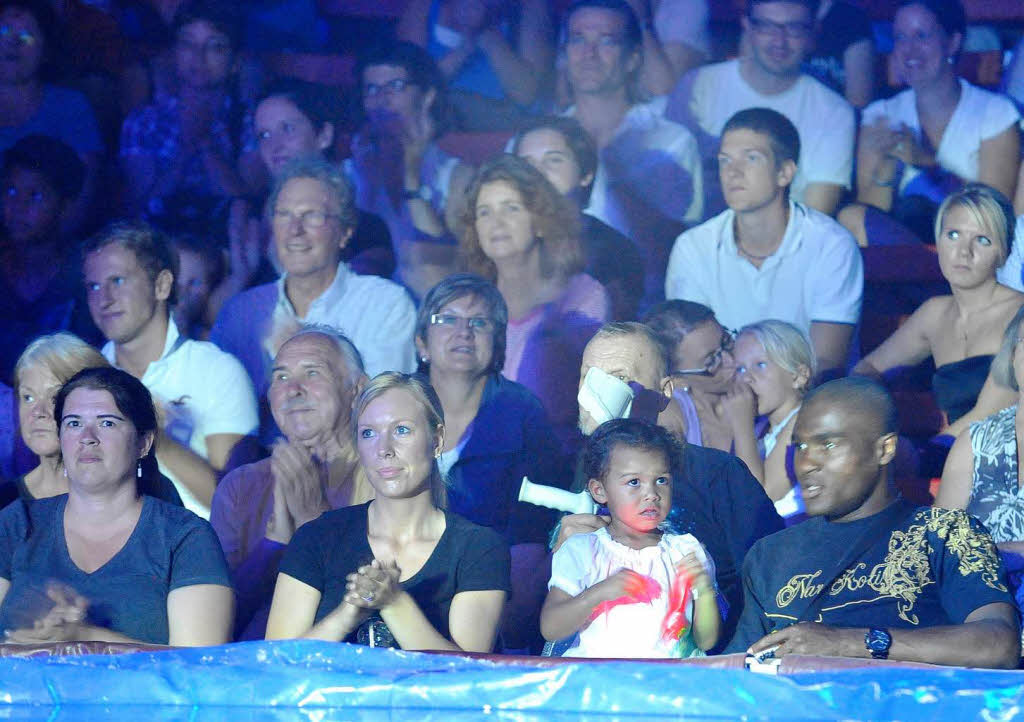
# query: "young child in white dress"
x,y
630,589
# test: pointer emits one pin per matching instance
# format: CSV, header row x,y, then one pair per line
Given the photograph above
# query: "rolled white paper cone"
x,y
559,499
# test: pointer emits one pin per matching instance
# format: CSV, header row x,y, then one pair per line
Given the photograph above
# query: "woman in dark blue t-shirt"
x,y
103,562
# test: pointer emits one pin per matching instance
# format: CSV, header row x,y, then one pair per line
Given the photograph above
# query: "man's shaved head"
x,y
865,402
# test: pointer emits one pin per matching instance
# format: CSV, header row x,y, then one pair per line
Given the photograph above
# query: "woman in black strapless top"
x,y
962,331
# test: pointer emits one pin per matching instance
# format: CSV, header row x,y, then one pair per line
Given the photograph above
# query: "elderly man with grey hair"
x,y
311,214
714,496
316,376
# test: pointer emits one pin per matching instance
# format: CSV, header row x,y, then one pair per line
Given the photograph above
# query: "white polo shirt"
x,y
816,274
709,95
203,391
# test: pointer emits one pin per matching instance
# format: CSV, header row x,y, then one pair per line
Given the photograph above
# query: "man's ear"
x,y
886,448
668,386
163,285
357,391
785,174
325,137
346,236
596,489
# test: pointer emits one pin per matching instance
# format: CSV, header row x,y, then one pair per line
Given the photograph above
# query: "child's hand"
x,y
627,587
692,567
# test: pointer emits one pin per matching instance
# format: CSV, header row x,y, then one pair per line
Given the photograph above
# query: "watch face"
x,y
878,640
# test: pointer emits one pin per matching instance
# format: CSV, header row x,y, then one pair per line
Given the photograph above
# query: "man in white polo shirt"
x,y
779,34
204,397
768,256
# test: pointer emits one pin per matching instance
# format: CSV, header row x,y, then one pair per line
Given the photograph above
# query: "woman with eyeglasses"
x,y
700,352
523,235
931,139
496,432
962,331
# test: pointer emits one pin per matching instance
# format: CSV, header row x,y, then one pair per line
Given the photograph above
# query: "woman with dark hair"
x,y
962,331
929,140
496,432
523,235
701,363
400,571
122,567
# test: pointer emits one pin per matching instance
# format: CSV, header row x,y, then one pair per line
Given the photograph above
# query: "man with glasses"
x,y
871,575
311,216
649,180
779,34
398,170
767,255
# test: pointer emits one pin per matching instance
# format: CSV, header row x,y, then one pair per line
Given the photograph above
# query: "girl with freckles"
x,y
632,588
399,571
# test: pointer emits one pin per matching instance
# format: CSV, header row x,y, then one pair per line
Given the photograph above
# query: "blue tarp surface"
x,y
314,681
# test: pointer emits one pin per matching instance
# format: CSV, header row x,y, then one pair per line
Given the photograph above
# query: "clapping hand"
x,y
374,585
299,496
63,623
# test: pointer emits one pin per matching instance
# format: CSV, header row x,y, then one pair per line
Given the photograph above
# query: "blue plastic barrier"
x,y
313,681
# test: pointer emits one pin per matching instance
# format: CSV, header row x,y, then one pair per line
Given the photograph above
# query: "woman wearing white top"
x,y
774,367
919,145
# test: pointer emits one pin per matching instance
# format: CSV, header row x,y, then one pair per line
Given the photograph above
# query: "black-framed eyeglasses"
x,y
393,86
795,31
714,361
477,324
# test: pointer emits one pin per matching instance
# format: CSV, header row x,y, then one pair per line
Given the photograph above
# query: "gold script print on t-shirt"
x,y
906,570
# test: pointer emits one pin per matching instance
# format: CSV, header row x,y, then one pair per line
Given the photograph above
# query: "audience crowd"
x,y
278,357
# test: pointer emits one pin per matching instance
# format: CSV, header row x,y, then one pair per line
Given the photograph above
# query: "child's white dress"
x,y
627,630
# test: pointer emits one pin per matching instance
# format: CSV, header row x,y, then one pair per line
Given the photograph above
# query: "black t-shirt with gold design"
x,y
933,568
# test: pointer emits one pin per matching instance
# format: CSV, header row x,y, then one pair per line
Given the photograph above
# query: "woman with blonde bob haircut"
x,y
774,367
398,571
962,331
44,366
523,235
